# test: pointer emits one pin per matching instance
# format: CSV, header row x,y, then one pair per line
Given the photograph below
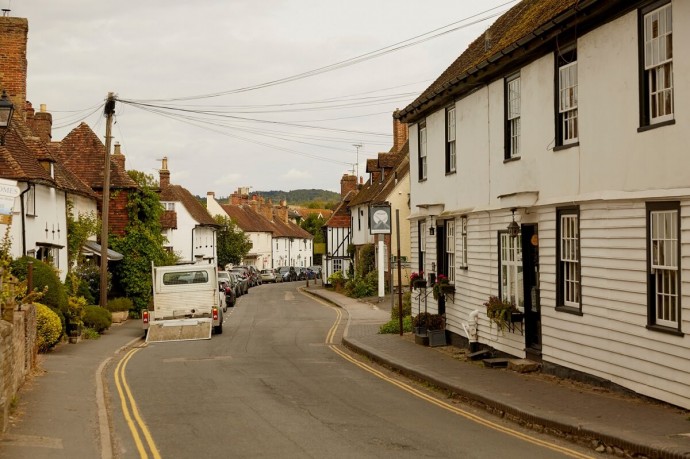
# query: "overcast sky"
x,y
172,54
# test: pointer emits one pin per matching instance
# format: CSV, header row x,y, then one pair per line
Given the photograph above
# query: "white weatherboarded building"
x,y
572,118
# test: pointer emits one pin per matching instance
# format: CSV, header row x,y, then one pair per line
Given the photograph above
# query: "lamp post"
x,y
6,112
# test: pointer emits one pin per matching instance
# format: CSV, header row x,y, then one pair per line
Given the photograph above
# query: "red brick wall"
x,y
118,217
347,183
13,36
400,134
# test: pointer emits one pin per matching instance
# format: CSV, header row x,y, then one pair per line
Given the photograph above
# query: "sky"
x,y
270,94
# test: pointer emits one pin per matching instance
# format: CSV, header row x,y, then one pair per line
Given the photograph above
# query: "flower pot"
x,y
437,338
419,283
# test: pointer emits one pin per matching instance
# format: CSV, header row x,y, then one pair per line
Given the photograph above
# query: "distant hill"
x,y
300,197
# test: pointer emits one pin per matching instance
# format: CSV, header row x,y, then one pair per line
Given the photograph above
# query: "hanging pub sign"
x,y
380,219
8,191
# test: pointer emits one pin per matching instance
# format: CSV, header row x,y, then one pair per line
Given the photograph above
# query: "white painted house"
x,y
189,229
338,232
572,118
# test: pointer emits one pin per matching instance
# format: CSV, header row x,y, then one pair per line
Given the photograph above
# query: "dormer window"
x,y
49,167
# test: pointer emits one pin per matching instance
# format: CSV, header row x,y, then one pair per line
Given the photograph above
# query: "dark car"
x,y
288,273
236,284
243,277
230,296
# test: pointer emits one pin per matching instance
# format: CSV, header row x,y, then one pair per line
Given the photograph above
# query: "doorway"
x,y
530,280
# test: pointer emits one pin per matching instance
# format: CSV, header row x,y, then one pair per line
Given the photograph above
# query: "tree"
x,y
79,230
232,243
313,224
142,242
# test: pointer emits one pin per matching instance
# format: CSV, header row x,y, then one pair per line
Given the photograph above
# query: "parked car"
x,y
256,275
224,276
236,284
222,302
288,273
267,275
276,273
302,274
243,277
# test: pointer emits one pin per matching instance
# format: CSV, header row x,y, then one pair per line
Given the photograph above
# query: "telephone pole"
x,y
109,111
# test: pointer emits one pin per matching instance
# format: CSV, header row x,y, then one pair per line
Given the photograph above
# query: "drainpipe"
x,y
192,257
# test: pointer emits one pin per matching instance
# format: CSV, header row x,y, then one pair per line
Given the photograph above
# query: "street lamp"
x,y
6,111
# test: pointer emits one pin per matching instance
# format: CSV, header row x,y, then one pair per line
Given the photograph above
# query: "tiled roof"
x,y
84,154
169,219
177,193
396,166
304,212
18,158
341,214
248,219
289,229
510,31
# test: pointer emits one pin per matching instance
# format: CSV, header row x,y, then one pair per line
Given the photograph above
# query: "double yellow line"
x,y
134,421
433,400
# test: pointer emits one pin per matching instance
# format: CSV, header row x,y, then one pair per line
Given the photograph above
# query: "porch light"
x,y
6,111
513,227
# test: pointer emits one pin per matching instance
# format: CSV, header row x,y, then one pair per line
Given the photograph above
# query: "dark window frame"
x,y
562,56
448,143
560,294
507,147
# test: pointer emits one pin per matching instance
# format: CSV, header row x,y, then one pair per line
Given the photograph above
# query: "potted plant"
x,y
442,286
500,312
417,280
429,329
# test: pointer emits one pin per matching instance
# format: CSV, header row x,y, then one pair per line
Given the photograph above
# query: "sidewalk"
x,y
597,417
63,421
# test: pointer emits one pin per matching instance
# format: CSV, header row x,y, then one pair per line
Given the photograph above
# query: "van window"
x,y
185,277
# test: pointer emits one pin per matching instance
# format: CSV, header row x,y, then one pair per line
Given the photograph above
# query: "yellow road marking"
x,y
441,404
120,374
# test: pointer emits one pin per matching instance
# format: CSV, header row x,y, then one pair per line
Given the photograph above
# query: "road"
x,y
276,383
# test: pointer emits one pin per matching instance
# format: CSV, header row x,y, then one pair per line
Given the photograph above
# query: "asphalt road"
x,y
276,384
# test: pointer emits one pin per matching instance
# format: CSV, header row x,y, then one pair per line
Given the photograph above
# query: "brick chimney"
x,y
13,66
41,123
117,157
347,183
400,133
281,212
164,173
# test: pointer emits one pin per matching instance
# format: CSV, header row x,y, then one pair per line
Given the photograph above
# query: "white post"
x,y
382,282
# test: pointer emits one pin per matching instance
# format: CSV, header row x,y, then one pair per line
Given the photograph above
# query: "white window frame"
x,y
658,63
513,116
462,259
567,103
168,205
569,258
664,241
510,273
422,153
450,250
450,139
30,201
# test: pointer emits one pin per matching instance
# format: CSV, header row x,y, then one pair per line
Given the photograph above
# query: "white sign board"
x,y
8,192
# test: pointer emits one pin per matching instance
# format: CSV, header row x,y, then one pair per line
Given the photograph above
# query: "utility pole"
x,y
357,146
109,111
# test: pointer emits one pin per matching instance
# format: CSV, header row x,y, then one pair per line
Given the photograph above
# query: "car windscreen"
x,y
185,277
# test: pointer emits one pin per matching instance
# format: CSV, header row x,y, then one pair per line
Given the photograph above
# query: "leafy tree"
x,y
313,224
79,230
142,242
232,243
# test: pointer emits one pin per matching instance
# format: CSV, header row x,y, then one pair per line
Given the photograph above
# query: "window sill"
x,y
668,331
569,310
510,160
451,172
649,127
565,147
421,180
32,215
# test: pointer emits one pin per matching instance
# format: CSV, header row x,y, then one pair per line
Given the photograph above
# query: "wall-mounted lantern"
x,y
513,227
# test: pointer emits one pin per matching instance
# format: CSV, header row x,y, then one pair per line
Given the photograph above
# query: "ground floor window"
x,y
510,260
568,257
663,252
337,265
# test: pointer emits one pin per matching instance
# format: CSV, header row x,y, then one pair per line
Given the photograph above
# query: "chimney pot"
x,y
43,108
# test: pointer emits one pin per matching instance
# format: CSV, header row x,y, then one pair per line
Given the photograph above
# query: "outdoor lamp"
x,y
513,227
6,111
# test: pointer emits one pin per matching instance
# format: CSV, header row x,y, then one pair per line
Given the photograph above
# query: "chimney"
x,y
117,157
400,133
281,212
347,183
13,66
164,172
41,123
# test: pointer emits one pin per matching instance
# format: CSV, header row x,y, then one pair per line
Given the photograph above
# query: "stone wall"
x,y
17,356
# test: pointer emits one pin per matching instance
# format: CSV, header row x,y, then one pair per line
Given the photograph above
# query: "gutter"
x,y
21,209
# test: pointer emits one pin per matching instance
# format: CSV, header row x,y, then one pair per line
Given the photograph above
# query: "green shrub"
x,y
431,321
394,326
44,275
120,304
90,333
48,327
407,306
360,287
97,318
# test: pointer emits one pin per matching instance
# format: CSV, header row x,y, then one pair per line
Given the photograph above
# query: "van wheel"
x,y
218,329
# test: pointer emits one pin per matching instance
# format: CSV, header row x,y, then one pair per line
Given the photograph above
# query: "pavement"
x,y
606,421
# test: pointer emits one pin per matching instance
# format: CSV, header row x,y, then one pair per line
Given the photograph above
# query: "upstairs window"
x,y
450,140
512,129
657,36
567,129
422,152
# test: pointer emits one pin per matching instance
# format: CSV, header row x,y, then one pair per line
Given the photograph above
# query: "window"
x,y
657,47
30,201
450,250
462,258
568,256
421,234
450,140
512,149
567,97
168,205
510,250
663,249
337,265
422,152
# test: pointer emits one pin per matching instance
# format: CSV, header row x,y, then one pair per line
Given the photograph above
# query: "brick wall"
x,y
118,216
400,134
13,65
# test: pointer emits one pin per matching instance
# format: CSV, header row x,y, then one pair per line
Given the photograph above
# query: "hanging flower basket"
x,y
502,313
419,283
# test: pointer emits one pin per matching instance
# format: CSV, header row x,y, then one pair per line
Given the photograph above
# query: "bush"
x,y
90,333
120,304
394,326
44,275
407,306
48,327
431,321
97,318
361,287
